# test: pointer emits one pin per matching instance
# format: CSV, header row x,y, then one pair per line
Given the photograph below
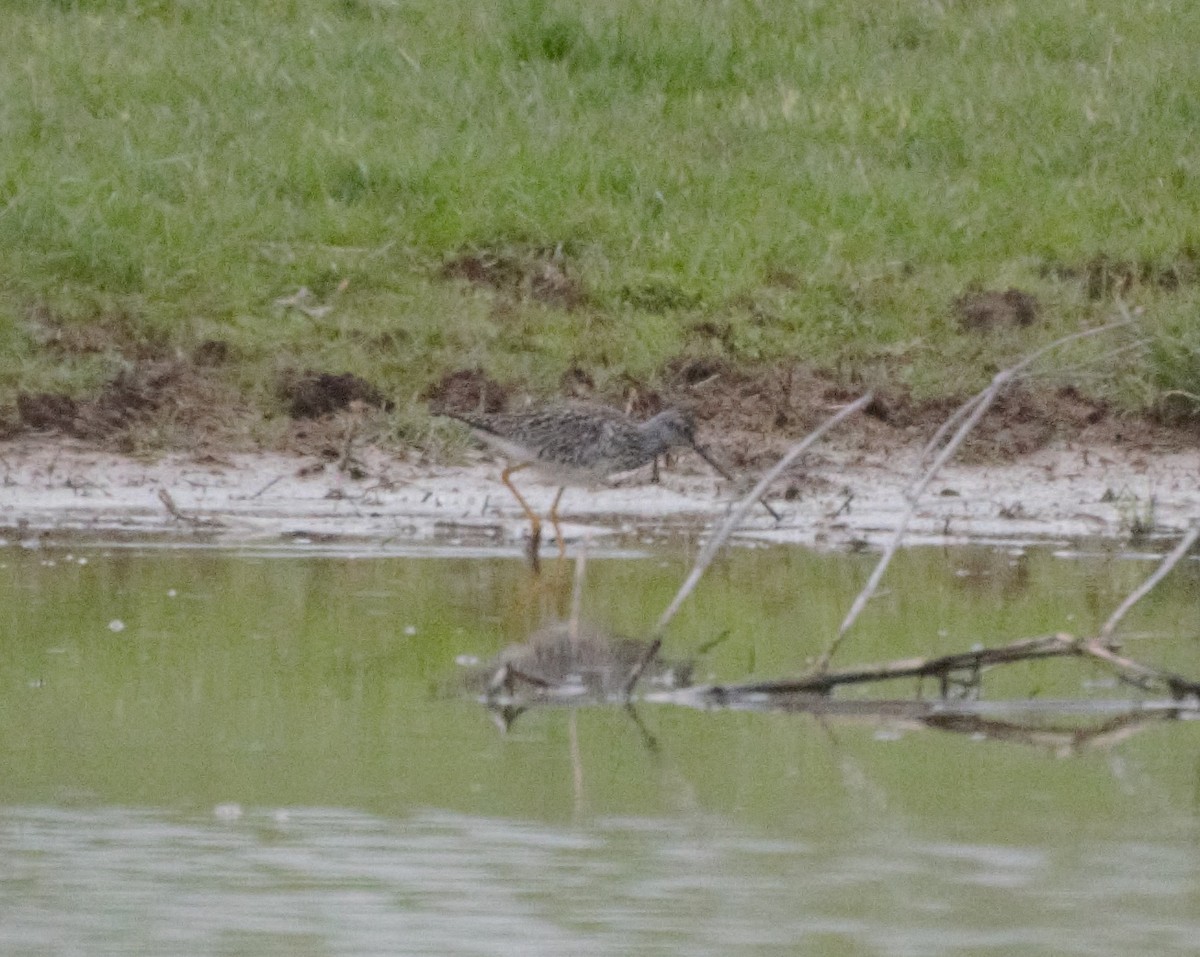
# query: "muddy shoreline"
x,y
838,497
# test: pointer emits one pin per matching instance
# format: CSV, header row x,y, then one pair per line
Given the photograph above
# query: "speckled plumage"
x,y
582,443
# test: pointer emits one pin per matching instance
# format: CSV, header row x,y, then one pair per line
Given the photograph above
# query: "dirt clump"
x,y
985,310
537,273
1025,419
1021,420
211,352
577,383
467,390
47,411
311,395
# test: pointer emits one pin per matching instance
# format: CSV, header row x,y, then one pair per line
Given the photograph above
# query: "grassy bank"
x,y
532,187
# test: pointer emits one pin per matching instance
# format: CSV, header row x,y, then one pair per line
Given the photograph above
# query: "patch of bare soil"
x,y
753,413
520,272
984,310
310,395
111,332
748,413
170,393
468,390
1026,419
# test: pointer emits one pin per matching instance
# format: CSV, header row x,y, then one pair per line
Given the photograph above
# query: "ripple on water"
x,y
328,881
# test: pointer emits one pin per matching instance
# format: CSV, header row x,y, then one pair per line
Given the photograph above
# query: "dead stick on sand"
x,y
973,410
704,559
347,457
169,504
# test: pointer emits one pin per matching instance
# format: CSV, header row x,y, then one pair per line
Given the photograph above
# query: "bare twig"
x,y
1164,568
774,514
635,673
981,404
972,411
944,429
267,486
347,457
822,681
1099,366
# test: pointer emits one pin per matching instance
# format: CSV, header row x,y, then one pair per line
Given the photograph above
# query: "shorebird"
x,y
579,445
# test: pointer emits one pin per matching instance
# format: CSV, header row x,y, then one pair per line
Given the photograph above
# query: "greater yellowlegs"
x,y
579,445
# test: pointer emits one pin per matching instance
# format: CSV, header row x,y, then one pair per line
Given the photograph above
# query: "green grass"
x,y
819,179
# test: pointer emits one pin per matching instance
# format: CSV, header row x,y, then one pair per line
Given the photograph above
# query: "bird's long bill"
x,y
720,470
703,453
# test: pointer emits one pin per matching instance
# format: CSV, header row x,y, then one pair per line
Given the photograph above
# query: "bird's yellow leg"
x,y
530,514
535,523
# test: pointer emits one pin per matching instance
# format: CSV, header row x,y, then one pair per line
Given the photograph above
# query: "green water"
x,y
268,753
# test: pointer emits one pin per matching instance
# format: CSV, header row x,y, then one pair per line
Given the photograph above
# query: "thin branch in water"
x,y
973,410
735,517
1139,675
704,559
1164,568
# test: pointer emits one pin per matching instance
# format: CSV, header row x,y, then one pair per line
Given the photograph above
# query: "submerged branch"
x,y
1043,724
1139,675
971,664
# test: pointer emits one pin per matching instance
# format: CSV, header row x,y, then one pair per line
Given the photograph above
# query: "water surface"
x,y
270,753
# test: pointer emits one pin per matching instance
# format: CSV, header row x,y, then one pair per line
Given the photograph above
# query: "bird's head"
x,y
673,427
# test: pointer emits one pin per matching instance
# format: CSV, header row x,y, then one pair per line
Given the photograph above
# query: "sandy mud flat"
x,y
837,498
